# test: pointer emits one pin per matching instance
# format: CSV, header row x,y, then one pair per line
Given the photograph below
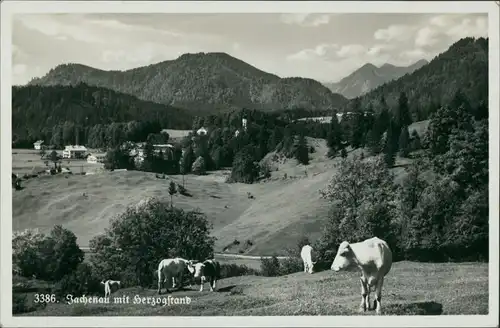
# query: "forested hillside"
x,y
464,67
210,81
37,110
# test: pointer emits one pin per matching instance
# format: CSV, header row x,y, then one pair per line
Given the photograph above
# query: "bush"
x,y
291,265
245,169
139,238
46,257
80,282
199,166
235,270
270,267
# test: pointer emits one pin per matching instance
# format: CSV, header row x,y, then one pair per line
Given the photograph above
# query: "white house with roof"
x,y
38,144
74,151
201,131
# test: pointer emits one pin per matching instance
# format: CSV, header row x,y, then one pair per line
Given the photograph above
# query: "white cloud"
x,y
19,69
304,19
469,27
379,49
351,50
117,25
393,33
321,50
414,54
51,26
426,37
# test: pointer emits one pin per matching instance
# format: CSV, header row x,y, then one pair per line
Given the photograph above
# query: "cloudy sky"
x,y
325,47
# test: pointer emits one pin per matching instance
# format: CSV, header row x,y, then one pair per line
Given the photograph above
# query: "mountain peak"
x,y
369,76
204,80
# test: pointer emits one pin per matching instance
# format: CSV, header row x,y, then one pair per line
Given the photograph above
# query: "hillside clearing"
x,y
285,207
410,288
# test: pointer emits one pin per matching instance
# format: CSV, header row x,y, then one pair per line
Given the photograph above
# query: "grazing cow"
x,y
110,286
207,270
306,255
170,269
374,258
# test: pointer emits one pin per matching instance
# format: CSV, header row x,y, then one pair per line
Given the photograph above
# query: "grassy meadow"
x,y
409,289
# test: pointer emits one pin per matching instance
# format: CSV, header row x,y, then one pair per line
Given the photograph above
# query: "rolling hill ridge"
x,y
209,81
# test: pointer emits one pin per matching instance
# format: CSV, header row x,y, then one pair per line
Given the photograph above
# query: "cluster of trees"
x,y
52,113
227,144
440,210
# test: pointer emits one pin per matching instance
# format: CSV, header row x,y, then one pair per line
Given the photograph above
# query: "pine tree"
x,y
404,142
172,190
373,141
357,130
403,116
301,152
390,147
334,135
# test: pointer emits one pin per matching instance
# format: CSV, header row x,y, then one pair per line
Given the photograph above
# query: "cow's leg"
x,y
305,267
215,279
211,283
168,280
378,295
202,281
160,280
364,294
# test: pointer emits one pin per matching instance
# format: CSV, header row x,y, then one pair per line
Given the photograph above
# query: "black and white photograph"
x,y
227,163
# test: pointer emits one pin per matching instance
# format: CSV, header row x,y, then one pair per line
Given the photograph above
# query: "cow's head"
x,y
311,269
199,271
190,266
343,259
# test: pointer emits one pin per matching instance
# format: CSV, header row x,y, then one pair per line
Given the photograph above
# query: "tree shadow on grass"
x,y
415,308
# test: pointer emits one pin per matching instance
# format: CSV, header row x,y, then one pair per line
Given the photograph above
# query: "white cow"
x,y
169,269
306,255
110,286
374,258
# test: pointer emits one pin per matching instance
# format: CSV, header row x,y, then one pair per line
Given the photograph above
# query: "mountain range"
x,y
369,76
463,68
211,81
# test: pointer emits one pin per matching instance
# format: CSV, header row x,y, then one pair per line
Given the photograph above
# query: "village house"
x,y
165,149
96,158
201,131
38,144
74,151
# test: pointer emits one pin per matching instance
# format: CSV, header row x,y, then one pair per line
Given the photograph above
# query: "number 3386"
x,y
45,298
